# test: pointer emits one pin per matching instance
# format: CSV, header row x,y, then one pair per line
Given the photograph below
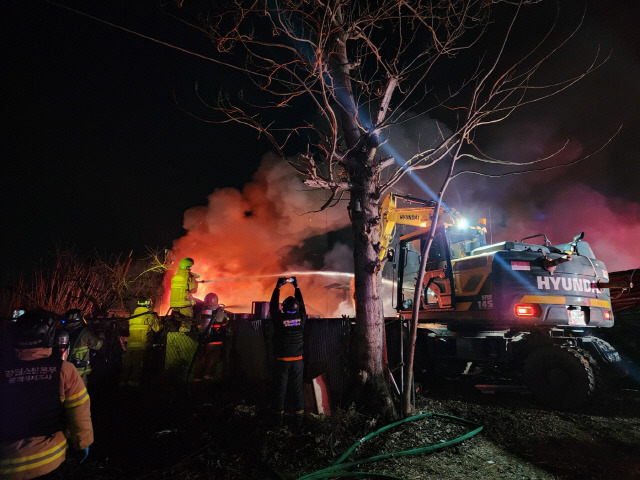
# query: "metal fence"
x,y
247,352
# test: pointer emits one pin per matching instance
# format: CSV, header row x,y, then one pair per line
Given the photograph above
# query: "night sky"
x,y
98,156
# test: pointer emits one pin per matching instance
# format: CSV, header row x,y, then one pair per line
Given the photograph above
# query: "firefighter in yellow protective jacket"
x,y
141,324
82,339
183,285
41,396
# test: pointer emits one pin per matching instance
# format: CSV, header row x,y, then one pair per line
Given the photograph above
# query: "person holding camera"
x,y
288,345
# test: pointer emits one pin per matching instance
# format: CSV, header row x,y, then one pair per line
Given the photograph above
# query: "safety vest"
x,y
30,398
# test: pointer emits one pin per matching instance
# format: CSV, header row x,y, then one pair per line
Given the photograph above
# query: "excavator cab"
x,y
438,282
450,243
454,240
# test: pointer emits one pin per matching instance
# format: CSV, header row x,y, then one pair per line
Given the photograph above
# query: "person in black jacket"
x,y
288,344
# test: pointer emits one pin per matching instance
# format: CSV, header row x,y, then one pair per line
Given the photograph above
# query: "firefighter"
x,y
182,345
41,396
213,321
183,285
288,344
142,323
82,339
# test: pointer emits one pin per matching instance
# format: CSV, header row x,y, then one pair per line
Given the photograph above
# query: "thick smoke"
x,y
241,241
611,225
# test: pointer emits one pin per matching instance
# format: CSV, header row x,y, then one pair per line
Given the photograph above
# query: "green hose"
x,y
338,468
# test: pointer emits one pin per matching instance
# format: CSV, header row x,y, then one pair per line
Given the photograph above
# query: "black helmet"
x,y
144,302
35,329
290,305
73,318
211,299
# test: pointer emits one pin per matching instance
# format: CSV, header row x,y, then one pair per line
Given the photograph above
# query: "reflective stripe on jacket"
x,y
81,344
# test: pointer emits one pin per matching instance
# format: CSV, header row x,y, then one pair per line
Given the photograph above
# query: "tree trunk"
x,y
406,402
407,396
369,364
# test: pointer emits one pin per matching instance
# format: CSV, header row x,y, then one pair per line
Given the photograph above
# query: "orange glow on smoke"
x,y
242,241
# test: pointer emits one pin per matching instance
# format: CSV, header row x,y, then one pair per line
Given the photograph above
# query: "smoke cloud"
x,y
241,241
611,225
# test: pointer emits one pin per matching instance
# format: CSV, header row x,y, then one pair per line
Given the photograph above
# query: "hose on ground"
x,y
338,469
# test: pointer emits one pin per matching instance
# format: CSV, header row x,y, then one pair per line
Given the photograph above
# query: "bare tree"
x,y
334,75
95,285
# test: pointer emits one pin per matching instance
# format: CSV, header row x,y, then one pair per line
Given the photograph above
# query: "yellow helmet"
x,y
185,264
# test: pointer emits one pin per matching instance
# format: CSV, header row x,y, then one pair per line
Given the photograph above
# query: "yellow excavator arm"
x,y
420,217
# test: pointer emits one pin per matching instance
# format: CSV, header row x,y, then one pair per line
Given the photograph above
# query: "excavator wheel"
x,y
606,354
560,376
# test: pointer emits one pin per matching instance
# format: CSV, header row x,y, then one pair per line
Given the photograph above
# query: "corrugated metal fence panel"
x,y
326,348
250,350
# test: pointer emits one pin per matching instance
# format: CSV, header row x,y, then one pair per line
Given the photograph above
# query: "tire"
x,y
560,377
608,357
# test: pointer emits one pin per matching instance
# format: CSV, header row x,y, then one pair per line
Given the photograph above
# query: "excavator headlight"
x,y
527,310
462,223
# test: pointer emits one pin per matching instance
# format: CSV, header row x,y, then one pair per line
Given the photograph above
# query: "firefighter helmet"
x,y
211,299
144,302
73,318
185,264
290,305
35,329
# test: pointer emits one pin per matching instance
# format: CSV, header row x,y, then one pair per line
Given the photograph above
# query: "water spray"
x,y
283,274
320,273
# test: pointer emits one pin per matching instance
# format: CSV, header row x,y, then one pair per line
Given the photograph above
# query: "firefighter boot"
x,y
298,421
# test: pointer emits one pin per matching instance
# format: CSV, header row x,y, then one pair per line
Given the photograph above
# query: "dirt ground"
x,y
221,432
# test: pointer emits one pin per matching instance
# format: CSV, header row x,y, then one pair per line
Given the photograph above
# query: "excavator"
x,y
525,306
